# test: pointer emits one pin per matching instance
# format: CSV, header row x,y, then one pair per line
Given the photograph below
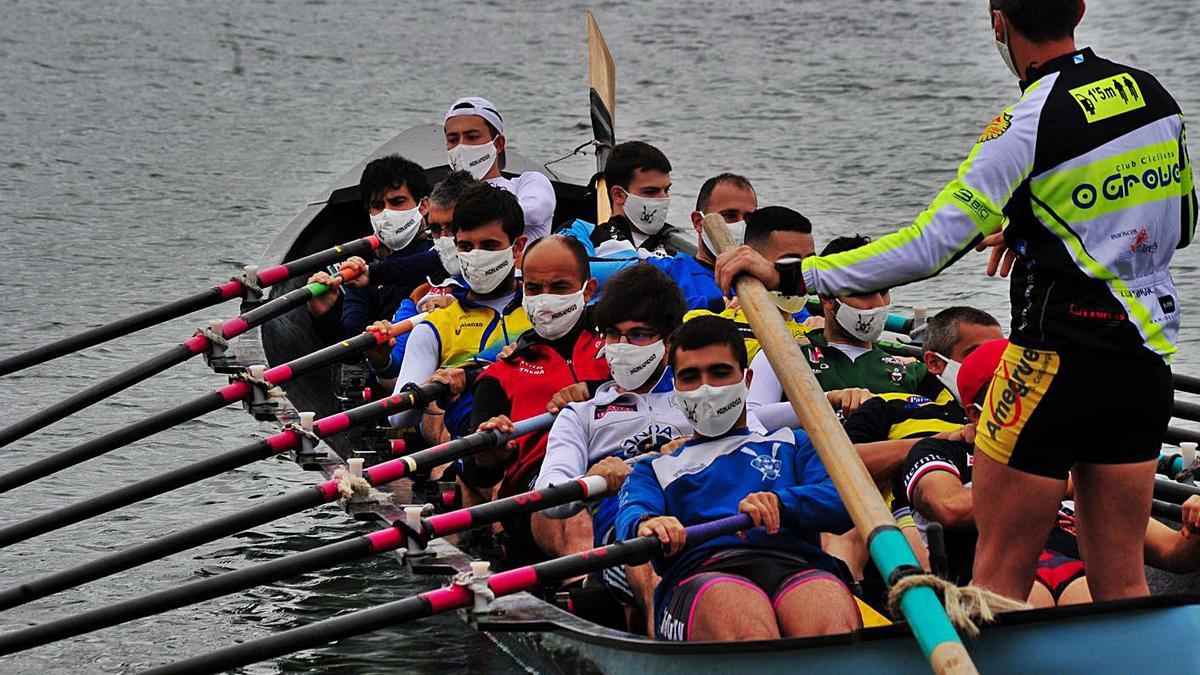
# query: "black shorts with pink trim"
x,y
770,573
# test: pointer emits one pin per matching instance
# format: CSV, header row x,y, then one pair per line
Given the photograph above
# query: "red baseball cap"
x,y
977,371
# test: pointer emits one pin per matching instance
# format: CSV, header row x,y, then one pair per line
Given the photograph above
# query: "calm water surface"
x,y
151,148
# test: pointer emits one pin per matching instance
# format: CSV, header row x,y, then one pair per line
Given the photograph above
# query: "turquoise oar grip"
x,y
898,324
920,605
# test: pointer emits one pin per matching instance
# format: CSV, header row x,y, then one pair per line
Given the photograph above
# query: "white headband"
x,y
480,107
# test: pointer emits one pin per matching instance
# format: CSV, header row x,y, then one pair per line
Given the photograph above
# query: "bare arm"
x,y
941,496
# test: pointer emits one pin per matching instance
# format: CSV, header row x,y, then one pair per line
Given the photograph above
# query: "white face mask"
x,y
737,230
448,253
476,159
863,324
485,270
949,376
789,303
397,229
713,410
632,365
1006,52
553,316
647,214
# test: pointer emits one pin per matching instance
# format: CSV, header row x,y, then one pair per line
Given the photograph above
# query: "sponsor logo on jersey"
x,y
603,410
1108,97
458,330
996,128
1149,173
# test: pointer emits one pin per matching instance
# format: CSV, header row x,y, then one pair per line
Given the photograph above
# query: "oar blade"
x,y
602,92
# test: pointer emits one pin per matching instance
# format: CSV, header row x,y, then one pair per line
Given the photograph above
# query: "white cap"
x,y
480,107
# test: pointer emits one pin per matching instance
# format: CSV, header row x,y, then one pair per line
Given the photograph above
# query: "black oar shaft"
x,y
131,324
1186,411
213,466
1187,383
111,441
175,542
192,409
1175,436
183,595
184,306
172,357
97,392
629,552
133,493
313,635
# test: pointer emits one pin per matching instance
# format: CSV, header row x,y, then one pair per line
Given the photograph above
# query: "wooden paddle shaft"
x,y
602,78
858,491
837,453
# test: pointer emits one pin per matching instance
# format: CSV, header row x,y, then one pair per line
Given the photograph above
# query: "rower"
x,y
629,416
776,581
937,483
475,142
638,176
488,227
886,426
1095,312
385,360
844,355
775,232
395,193
562,350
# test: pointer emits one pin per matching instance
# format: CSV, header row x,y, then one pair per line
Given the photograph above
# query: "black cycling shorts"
x,y
1045,411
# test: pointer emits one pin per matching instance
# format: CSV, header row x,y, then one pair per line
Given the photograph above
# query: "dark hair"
x,y
941,331
630,157
842,244
481,203
641,292
574,246
390,173
446,193
768,219
705,331
711,184
1041,20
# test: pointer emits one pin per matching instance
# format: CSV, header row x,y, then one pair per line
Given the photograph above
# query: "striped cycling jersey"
x,y
1089,175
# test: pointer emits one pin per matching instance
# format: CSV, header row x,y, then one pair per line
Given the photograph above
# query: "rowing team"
x,y
660,388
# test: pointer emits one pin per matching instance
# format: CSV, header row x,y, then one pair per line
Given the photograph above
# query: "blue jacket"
x,y
705,479
697,282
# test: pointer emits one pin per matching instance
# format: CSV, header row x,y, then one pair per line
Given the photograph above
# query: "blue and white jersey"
x,y
705,479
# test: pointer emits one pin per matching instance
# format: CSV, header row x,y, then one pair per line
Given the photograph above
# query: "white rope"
x,y
967,607
214,339
350,485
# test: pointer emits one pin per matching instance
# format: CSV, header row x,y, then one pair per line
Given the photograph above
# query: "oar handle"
x,y
698,534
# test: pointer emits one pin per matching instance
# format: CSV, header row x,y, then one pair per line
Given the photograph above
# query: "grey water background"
x,y
151,148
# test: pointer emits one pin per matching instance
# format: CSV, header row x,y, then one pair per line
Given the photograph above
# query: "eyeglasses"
x,y
637,336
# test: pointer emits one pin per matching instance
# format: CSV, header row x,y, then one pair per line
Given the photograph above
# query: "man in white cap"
x,y
475,142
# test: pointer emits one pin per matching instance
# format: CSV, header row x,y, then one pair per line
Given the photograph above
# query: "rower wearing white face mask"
x,y
844,355
475,142
487,229
639,179
395,193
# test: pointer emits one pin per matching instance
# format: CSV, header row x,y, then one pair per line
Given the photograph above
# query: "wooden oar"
x,y
888,547
413,397
172,357
184,306
237,390
260,514
456,596
602,90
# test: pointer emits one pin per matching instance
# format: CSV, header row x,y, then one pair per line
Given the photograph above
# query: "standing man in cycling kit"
x,y
1084,189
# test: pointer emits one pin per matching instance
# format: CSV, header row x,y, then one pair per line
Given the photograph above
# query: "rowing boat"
x,y
1100,637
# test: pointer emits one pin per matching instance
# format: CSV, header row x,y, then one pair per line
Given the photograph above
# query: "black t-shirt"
x,y
955,457
894,416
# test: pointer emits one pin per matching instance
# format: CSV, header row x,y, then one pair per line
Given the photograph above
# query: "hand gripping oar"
x,y
337,553
464,592
238,390
184,306
174,356
888,547
195,472
323,493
